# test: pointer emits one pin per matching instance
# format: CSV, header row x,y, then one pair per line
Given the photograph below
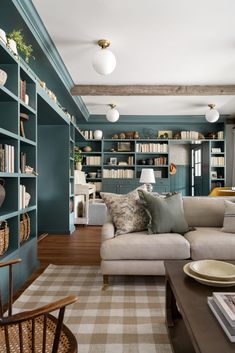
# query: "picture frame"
x,y
124,146
214,174
165,134
113,161
158,174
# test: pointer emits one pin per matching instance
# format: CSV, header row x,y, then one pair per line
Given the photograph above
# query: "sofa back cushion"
x,y
204,211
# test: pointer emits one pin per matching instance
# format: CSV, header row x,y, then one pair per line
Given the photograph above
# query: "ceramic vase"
x,y
78,166
2,191
98,134
3,77
12,46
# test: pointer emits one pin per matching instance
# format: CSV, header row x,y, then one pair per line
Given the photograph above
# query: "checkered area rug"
x,y
127,317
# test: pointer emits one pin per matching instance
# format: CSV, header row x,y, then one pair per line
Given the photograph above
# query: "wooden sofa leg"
x,y
105,282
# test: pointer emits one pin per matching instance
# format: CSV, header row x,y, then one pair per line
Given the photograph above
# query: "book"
x,y
228,329
226,302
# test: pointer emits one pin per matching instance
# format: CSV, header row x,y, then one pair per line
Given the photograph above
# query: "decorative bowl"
x,y
87,149
3,77
92,174
214,270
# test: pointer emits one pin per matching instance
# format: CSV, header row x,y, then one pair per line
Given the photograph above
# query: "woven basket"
x,y
4,237
24,227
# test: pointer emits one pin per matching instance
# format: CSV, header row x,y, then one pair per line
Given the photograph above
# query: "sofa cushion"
x,y
143,246
127,213
204,211
166,214
229,217
211,243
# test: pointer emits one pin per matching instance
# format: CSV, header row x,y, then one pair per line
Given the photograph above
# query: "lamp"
x,y
104,61
112,114
147,177
212,115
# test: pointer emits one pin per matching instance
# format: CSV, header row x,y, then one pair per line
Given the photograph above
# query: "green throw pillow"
x,y
166,214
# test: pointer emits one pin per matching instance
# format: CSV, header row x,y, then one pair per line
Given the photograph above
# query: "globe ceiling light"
x,y
112,114
212,115
104,61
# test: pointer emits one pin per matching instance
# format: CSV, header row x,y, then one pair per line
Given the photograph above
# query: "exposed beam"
x,y
152,90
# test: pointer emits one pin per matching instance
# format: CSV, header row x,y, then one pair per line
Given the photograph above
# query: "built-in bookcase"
x,y
11,108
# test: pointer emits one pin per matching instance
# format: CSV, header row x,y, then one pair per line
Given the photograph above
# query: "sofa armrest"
x,y
108,231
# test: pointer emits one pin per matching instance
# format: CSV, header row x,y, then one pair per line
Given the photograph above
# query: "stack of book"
x,y
217,161
7,163
223,306
22,196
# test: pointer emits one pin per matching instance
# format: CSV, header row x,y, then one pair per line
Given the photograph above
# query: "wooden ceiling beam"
x,y
153,90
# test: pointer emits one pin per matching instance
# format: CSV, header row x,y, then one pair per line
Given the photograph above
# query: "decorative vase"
x,y
98,134
2,191
27,199
149,161
143,161
13,46
136,135
87,149
3,77
78,166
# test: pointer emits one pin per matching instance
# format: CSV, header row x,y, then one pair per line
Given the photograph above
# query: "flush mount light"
x,y
212,115
104,61
112,114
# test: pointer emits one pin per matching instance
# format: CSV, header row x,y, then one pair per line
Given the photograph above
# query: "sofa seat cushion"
x,y
211,243
143,246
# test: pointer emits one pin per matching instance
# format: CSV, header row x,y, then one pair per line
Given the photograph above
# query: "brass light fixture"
x,y
112,114
104,61
212,115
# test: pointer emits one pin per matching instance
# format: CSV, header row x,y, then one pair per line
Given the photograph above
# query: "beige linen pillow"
x,y
127,212
229,217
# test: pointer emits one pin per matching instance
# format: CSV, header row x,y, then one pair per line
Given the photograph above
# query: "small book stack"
x,y
7,159
223,307
22,196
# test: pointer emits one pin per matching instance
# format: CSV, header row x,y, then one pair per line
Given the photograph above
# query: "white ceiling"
x,y
154,41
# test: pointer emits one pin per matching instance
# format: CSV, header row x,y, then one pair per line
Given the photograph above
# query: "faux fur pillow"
x,y
127,212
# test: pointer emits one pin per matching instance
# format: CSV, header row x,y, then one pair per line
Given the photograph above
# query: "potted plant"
x,y
18,38
78,160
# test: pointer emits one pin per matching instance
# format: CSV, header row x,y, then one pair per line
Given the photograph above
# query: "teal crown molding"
x,y
36,26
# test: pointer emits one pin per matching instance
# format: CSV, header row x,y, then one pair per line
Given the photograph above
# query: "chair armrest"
x,y
10,262
108,231
27,315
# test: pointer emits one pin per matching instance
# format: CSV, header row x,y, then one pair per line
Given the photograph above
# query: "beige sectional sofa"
x,y
144,254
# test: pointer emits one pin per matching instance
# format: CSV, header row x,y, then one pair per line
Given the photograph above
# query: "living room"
x,y
118,172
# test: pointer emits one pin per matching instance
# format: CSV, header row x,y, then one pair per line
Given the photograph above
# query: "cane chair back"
x,y
35,331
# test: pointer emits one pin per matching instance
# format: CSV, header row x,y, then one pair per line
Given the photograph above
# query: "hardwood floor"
x,y
81,248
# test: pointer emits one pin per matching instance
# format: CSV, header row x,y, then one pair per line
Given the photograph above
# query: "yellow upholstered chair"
x,y
222,191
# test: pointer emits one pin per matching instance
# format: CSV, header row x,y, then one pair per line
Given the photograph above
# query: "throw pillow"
x,y
127,212
229,217
166,214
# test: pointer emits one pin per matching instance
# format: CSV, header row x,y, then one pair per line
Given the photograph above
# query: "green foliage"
x,y
78,157
18,37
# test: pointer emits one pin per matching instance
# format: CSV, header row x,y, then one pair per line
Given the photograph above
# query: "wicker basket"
x,y
24,227
4,237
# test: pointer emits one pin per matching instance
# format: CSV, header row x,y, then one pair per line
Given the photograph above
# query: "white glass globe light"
x,y
104,61
212,115
112,114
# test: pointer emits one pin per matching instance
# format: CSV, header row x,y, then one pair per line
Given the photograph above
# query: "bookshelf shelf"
x,y
25,108
6,95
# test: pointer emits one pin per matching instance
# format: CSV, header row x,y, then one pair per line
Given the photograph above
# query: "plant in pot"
x,y
18,38
78,160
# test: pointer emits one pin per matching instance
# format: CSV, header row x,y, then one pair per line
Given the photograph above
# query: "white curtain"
x,y
233,154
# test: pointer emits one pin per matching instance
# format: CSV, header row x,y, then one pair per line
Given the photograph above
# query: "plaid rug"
x,y
127,317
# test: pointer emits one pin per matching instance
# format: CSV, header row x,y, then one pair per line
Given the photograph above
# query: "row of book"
x,y
222,305
217,161
93,160
160,161
88,134
22,90
118,173
7,160
23,197
189,135
152,147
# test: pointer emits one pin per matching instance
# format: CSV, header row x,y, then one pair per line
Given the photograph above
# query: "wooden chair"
x,y
35,331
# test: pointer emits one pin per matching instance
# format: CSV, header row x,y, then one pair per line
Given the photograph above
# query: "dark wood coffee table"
x,y
192,327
